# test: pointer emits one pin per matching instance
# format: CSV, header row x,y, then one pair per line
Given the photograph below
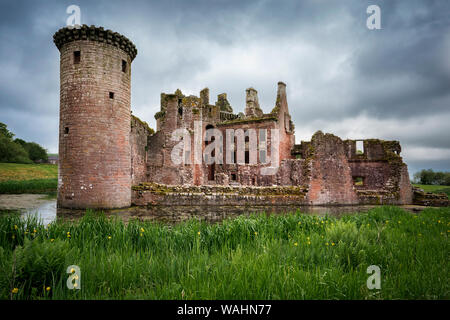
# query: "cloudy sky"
x,y
341,77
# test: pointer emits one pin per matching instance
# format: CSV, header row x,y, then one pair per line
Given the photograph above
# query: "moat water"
x,y
46,210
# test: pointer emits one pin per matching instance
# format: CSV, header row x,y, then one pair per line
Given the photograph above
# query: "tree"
x,y
431,177
36,152
19,151
12,152
5,132
447,179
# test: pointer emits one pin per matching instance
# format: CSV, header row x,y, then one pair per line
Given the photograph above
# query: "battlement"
x,y
93,33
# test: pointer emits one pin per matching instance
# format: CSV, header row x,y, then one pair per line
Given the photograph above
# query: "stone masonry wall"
x,y
138,144
94,130
330,175
157,194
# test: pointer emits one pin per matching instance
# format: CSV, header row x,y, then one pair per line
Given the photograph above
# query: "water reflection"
x,y
47,211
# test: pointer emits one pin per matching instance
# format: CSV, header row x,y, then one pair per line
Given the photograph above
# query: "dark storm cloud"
x,y
391,83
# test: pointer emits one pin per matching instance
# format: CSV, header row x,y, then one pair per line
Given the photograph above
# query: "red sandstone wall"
x,y
376,174
330,175
94,163
405,187
138,144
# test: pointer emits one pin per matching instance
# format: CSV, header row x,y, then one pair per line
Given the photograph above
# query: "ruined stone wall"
x,y
292,172
375,175
94,127
157,194
160,167
330,175
285,125
138,143
248,174
385,177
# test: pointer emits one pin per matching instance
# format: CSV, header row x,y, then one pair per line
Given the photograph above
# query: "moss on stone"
x,y
143,123
264,118
162,189
160,114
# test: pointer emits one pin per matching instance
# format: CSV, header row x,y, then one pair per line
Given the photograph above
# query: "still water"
x,y
47,211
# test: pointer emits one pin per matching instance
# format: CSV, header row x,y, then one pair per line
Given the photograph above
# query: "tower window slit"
x,y
76,57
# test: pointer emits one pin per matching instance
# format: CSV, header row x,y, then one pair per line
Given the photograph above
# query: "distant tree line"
x,y
18,150
432,177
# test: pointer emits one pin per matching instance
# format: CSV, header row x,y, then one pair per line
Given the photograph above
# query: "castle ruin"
x,y
111,159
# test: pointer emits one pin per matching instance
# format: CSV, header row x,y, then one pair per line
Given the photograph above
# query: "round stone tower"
x,y
95,118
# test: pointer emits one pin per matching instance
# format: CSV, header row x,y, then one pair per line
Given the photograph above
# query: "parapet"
x,y
93,33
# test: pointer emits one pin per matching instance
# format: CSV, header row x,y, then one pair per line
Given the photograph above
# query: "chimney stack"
x,y
252,108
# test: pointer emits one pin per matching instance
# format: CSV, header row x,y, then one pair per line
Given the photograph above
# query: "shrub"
x,y
38,264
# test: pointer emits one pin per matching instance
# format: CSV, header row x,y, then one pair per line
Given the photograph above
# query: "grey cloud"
x,y
335,68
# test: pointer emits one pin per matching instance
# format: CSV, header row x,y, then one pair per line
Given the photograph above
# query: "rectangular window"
x,y
358,181
359,147
124,66
66,130
233,177
111,95
76,57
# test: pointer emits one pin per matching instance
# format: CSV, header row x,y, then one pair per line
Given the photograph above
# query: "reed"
x,y
292,256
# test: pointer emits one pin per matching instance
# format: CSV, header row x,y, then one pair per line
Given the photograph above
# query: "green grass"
x,y
434,188
292,256
29,186
28,178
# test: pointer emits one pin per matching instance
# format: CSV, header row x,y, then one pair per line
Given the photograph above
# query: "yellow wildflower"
x,y
51,240
198,233
309,242
295,244
48,289
15,227
142,234
332,243
326,243
15,290
256,233
109,237
142,230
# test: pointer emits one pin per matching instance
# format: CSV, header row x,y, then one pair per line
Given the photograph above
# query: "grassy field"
x,y
259,257
28,178
434,188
